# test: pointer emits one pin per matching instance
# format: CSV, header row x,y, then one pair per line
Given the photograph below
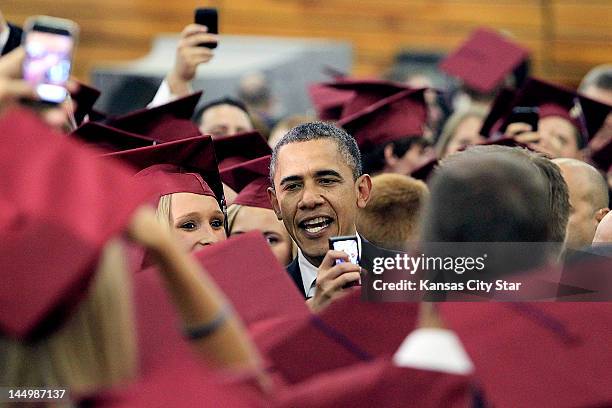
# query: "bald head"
x,y
588,192
603,235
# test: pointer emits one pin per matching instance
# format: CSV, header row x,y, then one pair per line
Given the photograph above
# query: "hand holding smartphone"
x,y
208,17
49,44
348,245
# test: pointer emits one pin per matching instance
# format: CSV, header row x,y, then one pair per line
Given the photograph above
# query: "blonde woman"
x,y
189,200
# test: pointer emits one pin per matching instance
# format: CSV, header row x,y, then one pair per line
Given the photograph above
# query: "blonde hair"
x,y
164,210
392,216
94,349
232,213
451,125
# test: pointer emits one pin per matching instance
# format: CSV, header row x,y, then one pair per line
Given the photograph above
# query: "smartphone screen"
x,y
349,246
48,61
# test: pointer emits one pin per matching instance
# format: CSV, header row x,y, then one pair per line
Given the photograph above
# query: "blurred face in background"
x,y
221,120
264,220
558,137
466,134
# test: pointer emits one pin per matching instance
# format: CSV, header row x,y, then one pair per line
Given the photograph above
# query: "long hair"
x,y
95,348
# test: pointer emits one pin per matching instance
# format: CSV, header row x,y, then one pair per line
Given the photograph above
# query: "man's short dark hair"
x,y
347,147
197,117
374,161
490,197
558,192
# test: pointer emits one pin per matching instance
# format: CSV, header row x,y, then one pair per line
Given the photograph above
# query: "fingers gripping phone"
x,y
49,44
208,17
348,245
524,114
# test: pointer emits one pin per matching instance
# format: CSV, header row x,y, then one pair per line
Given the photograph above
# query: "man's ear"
x,y
274,202
390,157
601,213
363,189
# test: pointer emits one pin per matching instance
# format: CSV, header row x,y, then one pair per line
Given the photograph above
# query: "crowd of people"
x,y
179,255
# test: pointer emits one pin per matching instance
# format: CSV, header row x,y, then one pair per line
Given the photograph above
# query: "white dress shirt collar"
x,y
435,350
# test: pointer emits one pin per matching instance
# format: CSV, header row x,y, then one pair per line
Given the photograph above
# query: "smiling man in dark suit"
x,y
318,186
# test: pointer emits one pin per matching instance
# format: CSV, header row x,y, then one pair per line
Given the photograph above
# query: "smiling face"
x,y
315,194
262,219
196,220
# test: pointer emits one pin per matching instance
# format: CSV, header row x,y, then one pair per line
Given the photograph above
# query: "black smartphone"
x,y
347,244
208,17
49,44
524,114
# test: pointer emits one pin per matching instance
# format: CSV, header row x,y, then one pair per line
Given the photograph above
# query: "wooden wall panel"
x,y
566,37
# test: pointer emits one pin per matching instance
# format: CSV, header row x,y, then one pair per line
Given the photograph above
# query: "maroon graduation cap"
x,y
276,294
484,60
275,298
365,92
235,149
109,138
85,97
379,383
585,114
192,385
328,101
59,205
501,108
250,180
537,354
396,117
187,165
164,123
347,332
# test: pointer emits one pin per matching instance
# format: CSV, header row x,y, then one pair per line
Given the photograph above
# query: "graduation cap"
x,y
109,138
602,157
182,166
328,101
594,114
347,332
164,123
59,205
396,117
484,60
515,348
235,149
191,383
500,109
85,97
585,114
379,383
276,295
365,92
251,180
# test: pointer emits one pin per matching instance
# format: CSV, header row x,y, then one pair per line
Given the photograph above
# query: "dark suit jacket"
x,y
14,39
369,251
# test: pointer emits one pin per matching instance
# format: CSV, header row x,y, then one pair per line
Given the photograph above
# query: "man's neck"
x,y
315,261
